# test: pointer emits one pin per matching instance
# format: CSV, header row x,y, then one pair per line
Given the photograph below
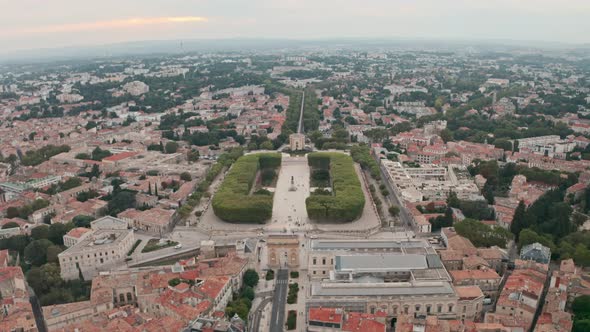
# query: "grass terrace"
x,y
240,199
347,199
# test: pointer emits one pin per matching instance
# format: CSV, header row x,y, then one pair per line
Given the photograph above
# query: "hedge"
x,y
232,201
348,199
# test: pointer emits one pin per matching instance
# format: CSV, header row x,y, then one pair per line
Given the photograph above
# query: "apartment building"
x,y
486,279
429,182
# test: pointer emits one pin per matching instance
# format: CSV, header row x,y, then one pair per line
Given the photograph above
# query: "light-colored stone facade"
x,y
98,252
283,251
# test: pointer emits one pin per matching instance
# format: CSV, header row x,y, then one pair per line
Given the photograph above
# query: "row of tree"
x,y
233,202
348,200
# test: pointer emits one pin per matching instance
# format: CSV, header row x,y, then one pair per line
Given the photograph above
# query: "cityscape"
x,y
341,184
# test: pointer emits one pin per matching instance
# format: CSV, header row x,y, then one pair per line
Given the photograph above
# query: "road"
x,y
257,315
403,212
277,318
300,125
541,302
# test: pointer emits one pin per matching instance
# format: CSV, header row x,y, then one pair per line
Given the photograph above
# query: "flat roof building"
x,y
100,251
393,277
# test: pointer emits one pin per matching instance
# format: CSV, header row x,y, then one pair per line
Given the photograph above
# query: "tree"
x,y
266,145
57,231
35,279
184,176
122,201
453,201
95,172
581,305
171,147
192,156
99,154
36,252
40,232
251,278
16,243
528,236
482,235
52,252
10,224
519,220
488,192
12,212
248,292
86,195
394,211
82,221
446,135
445,220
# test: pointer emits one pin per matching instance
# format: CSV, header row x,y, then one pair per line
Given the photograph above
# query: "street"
x,y
277,321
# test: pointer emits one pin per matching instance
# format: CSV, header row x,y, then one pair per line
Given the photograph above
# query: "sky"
x,y
32,24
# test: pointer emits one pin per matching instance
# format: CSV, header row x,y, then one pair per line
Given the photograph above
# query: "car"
x,y
487,301
178,246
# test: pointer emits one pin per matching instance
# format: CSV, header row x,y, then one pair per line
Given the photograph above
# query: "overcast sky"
x,y
28,24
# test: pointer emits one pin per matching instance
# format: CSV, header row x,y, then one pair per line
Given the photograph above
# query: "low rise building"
x,y
336,319
486,279
17,312
100,251
155,221
536,252
76,235
470,302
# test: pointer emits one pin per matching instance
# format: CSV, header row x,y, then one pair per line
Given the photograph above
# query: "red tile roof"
x,y
326,315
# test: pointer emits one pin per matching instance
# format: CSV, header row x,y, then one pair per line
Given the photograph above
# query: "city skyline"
x,y
26,25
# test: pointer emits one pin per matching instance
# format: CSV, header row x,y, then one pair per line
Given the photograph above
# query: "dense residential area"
x,y
338,188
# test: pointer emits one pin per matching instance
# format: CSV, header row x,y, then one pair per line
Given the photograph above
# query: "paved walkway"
x,y
289,212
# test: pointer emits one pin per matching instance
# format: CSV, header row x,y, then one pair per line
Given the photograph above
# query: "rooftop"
x,y
364,244
381,289
384,262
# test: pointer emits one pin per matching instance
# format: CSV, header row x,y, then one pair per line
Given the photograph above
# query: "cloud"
x,y
106,25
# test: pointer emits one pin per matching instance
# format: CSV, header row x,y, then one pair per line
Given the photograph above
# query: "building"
x,y
550,145
336,319
283,250
108,222
520,296
76,235
470,302
429,182
406,279
17,312
296,142
69,98
136,88
155,221
322,253
486,279
150,299
536,252
102,250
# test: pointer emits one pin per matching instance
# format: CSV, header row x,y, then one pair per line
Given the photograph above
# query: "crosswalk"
x,y
282,282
